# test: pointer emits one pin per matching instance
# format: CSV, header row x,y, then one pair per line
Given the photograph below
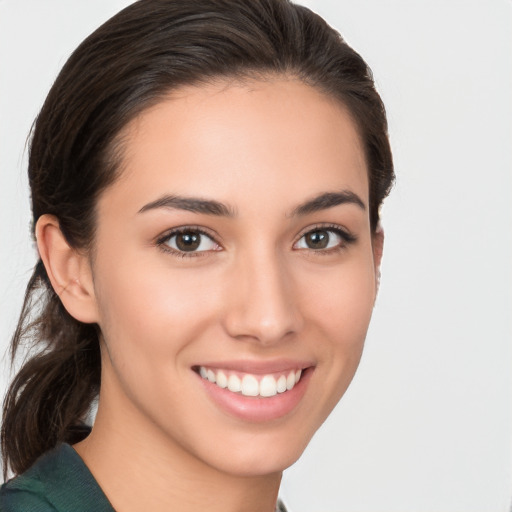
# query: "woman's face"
x,y
236,248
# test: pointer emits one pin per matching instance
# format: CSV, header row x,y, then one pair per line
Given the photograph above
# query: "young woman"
x,y
206,179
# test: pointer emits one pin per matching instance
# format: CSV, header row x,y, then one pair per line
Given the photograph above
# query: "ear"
x,y
68,269
378,247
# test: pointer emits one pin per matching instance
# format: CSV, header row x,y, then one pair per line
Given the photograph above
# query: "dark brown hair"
x,y
128,64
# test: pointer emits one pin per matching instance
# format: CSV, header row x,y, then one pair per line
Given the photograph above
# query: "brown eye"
x,y
317,239
323,238
190,241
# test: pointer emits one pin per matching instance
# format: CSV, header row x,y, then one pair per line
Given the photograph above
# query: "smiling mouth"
x,y
251,385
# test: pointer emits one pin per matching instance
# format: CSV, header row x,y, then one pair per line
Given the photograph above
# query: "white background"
x,y
427,423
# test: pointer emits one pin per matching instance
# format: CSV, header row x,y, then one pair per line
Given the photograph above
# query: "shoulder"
x,y
24,493
59,481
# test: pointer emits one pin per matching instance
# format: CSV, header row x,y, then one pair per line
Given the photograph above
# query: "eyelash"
x,y
164,239
346,237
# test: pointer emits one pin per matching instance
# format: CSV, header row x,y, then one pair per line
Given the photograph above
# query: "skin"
x,y
256,293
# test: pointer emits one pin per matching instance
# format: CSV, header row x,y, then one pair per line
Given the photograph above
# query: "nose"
x,y
263,303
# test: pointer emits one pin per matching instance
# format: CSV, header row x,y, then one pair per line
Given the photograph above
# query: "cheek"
x,y
150,319
342,301
149,311
340,308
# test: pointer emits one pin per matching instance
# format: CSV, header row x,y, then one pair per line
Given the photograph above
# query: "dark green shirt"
x,y
59,481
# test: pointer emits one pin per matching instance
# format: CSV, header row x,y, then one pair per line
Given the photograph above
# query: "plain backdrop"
x,y
426,425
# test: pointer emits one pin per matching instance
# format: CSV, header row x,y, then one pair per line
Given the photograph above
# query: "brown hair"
x,y
128,64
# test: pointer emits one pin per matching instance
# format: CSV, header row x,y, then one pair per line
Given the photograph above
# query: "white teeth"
x,y
249,385
281,384
222,380
290,381
234,384
268,386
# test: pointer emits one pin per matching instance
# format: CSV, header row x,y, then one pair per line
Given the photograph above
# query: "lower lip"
x,y
258,409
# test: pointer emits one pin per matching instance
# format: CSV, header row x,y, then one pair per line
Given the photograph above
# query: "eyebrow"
x,y
328,200
190,204
212,207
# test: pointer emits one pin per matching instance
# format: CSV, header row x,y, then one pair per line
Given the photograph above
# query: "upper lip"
x,y
258,367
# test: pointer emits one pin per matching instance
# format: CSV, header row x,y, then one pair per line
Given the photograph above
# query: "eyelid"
x,y
347,236
167,235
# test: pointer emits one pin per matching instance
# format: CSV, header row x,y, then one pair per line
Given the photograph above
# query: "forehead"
x,y
255,138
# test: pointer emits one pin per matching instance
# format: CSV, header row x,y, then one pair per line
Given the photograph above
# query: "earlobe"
x,y
68,270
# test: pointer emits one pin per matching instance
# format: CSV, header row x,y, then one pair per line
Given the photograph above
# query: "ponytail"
x,y
51,395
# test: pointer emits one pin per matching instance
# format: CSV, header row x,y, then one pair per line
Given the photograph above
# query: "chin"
x,y
259,456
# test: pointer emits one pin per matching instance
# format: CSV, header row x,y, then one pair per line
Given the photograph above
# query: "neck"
x,y
138,468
